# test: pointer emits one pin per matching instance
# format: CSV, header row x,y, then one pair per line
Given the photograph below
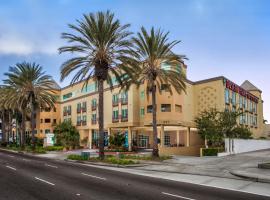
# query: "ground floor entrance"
x,y
171,139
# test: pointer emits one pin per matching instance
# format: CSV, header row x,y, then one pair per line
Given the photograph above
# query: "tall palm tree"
x,y
150,53
34,89
100,42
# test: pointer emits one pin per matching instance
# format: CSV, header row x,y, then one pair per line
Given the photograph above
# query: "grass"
x,y
107,159
54,148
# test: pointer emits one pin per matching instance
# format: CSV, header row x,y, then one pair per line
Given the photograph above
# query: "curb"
x,y
251,176
105,164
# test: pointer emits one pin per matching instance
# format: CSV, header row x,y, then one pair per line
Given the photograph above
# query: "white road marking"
x,y
44,181
78,194
51,166
93,176
25,159
11,156
177,196
11,168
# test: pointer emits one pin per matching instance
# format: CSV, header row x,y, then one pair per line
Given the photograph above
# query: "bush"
x,y
211,151
262,138
242,132
54,148
76,157
114,160
117,140
3,144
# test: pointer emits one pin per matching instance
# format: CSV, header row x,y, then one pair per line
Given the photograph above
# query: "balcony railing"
x,y
84,123
124,101
115,102
115,120
79,123
124,118
79,110
84,109
94,107
69,112
94,121
65,113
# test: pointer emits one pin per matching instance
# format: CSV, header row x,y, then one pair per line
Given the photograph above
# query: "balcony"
x,y
94,121
79,110
115,103
69,112
84,123
84,110
94,107
65,113
124,118
124,101
115,120
79,123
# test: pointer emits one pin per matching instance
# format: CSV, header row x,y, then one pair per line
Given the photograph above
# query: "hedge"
x,y
211,151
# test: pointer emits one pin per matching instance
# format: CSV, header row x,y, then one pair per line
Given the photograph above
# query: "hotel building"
x,y
130,112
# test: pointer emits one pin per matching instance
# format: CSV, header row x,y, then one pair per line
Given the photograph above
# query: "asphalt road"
x,y
27,177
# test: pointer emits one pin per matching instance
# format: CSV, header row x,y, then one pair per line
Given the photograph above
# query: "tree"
x,y
32,89
101,43
214,126
67,135
150,52
208,127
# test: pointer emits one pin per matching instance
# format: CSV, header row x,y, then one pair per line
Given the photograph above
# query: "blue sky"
x,y
220,37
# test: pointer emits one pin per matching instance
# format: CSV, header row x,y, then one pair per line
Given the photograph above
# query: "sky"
x,y
220,37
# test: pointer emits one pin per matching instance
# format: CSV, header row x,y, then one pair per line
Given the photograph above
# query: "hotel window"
x,y
244,102
240,101
142,112
69,110
94,103
79,120
78,107
167,140
115,114
124,97
255,120
84,120
47,131
84,107
247,119
251,106
124,113
178,108
47,120
255,107
165,107
142,95
227,96
233,98
67,96
149,109
94,118
54,121
115,99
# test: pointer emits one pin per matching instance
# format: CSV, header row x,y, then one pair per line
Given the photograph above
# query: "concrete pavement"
x,y
28,177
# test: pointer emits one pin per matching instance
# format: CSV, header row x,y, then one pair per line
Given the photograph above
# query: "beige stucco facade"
x,y
130,112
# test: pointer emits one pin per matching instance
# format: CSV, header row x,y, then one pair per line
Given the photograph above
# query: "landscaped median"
x,y
29,149
118,160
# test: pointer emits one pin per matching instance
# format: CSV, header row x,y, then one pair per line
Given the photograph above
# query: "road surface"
x,y
28,177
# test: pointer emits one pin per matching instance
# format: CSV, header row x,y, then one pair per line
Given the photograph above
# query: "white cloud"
x,y
20,45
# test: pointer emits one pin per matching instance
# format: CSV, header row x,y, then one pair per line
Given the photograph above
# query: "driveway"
x,y
213,166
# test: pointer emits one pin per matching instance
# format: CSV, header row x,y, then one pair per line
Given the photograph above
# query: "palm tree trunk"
x,y
154,114
101,118
33,125
3,127
23,129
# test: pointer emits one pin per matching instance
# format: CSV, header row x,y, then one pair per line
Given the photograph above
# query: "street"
x,y
28,177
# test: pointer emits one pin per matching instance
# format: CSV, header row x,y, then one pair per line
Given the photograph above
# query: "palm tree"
x,y
151,52
100,42
33,88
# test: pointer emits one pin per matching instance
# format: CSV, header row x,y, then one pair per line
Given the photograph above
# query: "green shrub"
x,y
54,148
211,151
114,160
76,157
262,138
